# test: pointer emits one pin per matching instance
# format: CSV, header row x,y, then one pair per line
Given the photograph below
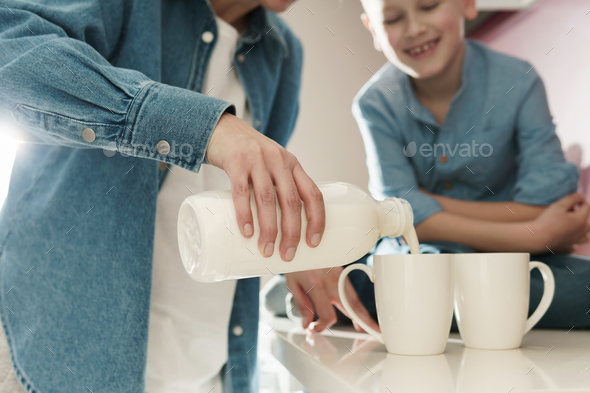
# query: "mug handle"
x,y
349,310
548,292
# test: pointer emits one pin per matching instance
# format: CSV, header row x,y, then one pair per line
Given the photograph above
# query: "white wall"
x,y
326,140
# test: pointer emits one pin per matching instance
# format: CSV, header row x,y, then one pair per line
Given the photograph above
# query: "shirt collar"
x,y
260,25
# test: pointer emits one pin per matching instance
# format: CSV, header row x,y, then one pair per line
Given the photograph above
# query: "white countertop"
x,y
341,360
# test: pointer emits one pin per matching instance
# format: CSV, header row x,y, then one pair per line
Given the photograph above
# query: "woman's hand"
x,y
248,157
321,286
563,225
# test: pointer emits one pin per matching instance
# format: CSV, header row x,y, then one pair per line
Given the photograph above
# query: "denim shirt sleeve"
x,y
390,171
544,176
55,85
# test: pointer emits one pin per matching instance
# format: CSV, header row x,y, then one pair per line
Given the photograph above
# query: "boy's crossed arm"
x,y
508,211
556,228
518,226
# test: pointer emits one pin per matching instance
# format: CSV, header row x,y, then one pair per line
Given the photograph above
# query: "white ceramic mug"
x,y
492,298
414,296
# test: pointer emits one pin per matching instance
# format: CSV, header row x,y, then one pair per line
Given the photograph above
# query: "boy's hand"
x,y
563,225
247,157
321,286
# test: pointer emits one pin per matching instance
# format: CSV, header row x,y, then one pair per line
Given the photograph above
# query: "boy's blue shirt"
x,y
77,227
501,108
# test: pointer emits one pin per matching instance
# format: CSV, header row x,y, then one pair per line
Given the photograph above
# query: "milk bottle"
x,y
213,249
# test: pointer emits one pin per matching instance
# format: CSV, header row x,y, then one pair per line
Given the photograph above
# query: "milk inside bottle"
x,y
212,247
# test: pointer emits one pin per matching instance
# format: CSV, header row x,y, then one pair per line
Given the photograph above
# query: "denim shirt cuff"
x,y
172,125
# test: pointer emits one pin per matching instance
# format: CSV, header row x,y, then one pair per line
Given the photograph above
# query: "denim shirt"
x,y
100,90
497,142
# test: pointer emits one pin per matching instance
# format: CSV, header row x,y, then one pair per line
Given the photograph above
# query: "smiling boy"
x,y
439,93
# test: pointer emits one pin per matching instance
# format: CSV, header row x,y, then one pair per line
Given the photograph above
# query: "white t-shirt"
x,y
188,331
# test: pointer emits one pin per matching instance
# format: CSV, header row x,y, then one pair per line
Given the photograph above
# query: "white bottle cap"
x,y
396,215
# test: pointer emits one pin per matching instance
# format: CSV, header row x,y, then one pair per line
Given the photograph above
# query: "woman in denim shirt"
x,y
84,80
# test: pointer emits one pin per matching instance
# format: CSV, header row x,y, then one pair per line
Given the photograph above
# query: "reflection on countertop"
x,y
341,360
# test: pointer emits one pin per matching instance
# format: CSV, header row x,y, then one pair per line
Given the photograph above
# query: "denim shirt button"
x,y
163,147
238,330
241,58
207,37
88,135
257,123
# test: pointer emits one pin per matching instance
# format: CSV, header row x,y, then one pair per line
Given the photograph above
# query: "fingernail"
x,y
248,230
315,239
269,249
290,254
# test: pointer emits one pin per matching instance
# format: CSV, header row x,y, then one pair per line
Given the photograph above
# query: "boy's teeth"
x,y
420,49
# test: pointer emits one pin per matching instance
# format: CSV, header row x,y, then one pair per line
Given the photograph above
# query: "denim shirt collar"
x,y
260,26
420,111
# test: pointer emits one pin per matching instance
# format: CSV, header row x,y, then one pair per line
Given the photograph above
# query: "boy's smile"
x,y
423,50
420,37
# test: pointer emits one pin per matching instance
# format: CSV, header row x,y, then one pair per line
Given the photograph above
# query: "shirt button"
x,y
444,159
257,123
241,58
163,166
88,135
448,186
207,37
163,147
238,330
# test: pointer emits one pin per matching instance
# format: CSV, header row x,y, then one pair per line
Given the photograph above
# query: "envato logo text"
x,y
440,149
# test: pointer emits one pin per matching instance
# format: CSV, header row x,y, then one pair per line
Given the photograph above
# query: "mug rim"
x,y
404,256
491,254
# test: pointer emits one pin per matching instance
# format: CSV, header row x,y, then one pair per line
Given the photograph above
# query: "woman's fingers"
x,y
290,203
264,194
302,302
315,211
357,327
323,308
240,190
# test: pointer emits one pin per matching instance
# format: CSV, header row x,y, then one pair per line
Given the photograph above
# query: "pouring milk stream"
x,y
213,249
